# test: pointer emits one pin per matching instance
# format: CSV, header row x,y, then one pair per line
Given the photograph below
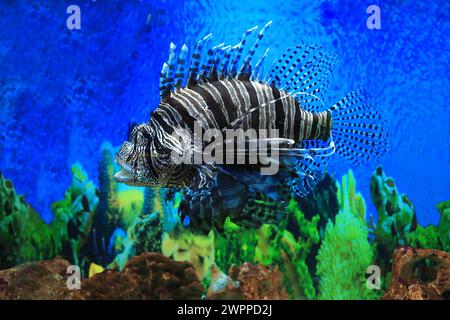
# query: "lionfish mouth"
x,y
125,175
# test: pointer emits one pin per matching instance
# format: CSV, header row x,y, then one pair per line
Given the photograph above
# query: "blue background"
x,y
63,92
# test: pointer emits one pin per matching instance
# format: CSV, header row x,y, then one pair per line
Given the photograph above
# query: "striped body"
x,y
218,103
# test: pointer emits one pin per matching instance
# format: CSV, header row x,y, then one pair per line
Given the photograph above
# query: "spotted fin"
x,y
359,129
304,71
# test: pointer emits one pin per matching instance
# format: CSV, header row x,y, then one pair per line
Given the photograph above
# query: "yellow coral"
x,y
182,245
94,269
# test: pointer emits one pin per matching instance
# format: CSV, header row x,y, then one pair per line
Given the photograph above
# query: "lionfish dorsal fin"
x,y
210,63
304,71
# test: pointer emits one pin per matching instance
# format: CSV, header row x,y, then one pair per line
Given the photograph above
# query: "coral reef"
x,y
420,274
320,249
258,282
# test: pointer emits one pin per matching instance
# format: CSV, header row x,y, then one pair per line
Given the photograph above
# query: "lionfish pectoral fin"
x,y
359,129
307,165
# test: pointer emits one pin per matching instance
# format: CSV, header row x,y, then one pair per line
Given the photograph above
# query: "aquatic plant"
x,y
343,259
108,211
273,245
130,203
74,215
345,252
146,233
396,214
235,245
296,247
444,225
167,202
23,235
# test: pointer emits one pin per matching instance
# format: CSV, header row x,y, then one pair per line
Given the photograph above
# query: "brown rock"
x,y
222,287
249,282
419,274
36,280
148,276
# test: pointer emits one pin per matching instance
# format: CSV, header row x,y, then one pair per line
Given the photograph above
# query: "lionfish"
x,y
220,87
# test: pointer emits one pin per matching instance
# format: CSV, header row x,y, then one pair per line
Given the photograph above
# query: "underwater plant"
x,y
108,212
345,252
444,225
23,235
343,259
74,215
396,214
146,233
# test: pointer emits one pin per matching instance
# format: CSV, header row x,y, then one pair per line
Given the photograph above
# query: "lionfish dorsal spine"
x,y
205,63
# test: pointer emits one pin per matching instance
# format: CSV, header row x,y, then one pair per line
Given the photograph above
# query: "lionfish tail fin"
x,y
358,128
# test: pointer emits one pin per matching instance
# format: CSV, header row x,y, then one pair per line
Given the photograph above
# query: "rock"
x,y
148,276
419,274
222,287
45,280
249,282
259,282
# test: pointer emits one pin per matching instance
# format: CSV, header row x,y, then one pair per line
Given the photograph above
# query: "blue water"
x,y
63,92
